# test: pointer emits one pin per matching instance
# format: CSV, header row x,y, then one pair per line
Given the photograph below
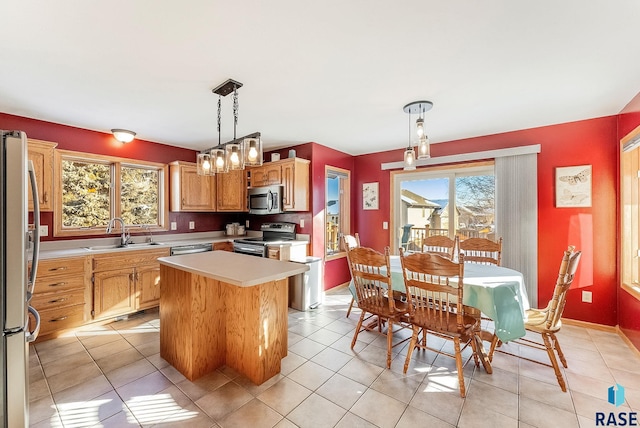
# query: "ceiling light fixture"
x,y
123,135
234,154
419,108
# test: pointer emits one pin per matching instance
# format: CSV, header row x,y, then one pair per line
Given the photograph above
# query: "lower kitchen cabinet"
x,y
223,246
62,296
113,293
125,282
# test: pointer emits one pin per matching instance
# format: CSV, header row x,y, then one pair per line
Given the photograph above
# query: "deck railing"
x,y
417,235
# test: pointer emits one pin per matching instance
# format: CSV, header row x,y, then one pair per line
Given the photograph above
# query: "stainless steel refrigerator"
x,y
18,245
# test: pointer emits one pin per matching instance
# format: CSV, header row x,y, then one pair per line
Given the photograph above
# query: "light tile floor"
x,y
113,376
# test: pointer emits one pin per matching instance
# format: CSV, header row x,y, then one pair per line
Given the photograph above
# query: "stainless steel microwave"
x,y
265,200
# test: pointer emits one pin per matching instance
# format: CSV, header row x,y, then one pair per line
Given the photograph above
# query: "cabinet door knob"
x,y
45,196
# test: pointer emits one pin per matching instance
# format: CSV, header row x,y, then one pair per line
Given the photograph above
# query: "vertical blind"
x,y
517,216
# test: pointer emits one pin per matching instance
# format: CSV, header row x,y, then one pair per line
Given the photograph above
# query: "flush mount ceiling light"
x,y
123,135
234,154
419,108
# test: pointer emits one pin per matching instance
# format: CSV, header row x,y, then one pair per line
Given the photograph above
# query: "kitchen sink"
x,y
118,246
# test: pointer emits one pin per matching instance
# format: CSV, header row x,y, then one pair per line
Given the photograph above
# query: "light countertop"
x,y
237,269
81,247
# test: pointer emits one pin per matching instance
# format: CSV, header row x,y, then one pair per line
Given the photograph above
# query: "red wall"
x,y
83,140
628,305
578,143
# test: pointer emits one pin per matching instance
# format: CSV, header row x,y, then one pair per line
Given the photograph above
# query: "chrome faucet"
x,y
126,236
148,228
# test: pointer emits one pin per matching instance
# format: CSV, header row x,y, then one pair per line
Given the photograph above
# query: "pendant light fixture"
x,y
234,154
424,152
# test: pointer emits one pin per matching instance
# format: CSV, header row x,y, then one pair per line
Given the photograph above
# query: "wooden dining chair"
x,y
482,250
435,290
439,244
371,273
348,242
547,321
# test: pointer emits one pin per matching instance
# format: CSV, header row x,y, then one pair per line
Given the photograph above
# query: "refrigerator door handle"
x,y
36,231
33,335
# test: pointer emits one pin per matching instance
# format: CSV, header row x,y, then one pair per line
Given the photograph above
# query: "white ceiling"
x,y
337,72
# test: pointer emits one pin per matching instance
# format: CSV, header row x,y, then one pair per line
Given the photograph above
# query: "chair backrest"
x,y
406,233
351,241
482,250
568,268
439,244
435,285
371,274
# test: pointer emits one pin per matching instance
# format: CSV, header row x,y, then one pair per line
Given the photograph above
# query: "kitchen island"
x,y
220,308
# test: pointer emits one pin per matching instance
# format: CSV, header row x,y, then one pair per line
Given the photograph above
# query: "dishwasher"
x,y
190,249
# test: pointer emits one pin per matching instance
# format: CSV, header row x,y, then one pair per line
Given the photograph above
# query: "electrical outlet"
x,y
44,230
174,225
385,225
192,225
246,224
587,296
301,223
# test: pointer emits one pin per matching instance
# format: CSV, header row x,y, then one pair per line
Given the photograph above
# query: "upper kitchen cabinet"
x,y
41,153
293,174
232,191
266,175
295,178
190,191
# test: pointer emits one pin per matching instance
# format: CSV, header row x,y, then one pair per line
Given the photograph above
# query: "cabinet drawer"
x,y
58,319
52,267
127,259
59,283
43,302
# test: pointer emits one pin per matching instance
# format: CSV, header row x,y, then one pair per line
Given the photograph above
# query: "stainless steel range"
x,y
272,234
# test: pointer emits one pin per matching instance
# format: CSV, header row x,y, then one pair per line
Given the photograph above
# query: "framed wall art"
x,y
573,186
370,196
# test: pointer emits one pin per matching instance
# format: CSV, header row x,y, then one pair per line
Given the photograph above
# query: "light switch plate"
x,y
385,225
587,296
174,225
301,223
44,230
192,225
246,224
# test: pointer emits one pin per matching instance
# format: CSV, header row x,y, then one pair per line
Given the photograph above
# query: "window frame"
x,y
345,208
630,214
115,164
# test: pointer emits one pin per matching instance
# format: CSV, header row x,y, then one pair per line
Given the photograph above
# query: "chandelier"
x,y
419,108
234,154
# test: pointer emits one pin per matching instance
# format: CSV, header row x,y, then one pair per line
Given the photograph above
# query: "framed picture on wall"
x,y
370,196
573,186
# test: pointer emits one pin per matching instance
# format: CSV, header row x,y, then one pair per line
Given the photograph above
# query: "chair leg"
x,y
492,349
389,342
350,307
412,344
554,362
358,327
559,350
456,346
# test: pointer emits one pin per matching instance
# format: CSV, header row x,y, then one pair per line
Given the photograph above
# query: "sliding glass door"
x,y
443,201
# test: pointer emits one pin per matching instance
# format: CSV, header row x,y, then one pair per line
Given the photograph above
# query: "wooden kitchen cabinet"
x,y
190,191
266,175
223,246
41,154
62,294
126,281
293,174
232,191
295,178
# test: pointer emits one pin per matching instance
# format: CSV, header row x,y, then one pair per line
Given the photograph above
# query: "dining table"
x,y
498,292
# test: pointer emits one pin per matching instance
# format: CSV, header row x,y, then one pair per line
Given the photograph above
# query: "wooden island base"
x,y
206,323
